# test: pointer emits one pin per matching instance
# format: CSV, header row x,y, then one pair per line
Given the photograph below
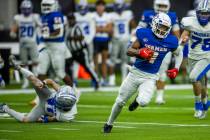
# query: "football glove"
x,y
172,73
146,53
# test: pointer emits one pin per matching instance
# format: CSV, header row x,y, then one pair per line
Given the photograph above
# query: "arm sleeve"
x,y
178,56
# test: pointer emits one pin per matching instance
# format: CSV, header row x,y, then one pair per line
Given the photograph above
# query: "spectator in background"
x,y
2,83
102,38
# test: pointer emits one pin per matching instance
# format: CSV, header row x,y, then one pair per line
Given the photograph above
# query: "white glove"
x,y
13,35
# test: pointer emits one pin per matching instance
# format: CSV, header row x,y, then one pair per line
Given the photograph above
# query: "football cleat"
x,y
159,100
205,109
2,105
133,106
198,110
13,62
107,128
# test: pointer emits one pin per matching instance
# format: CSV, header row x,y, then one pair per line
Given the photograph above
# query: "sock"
x,y
17,115
160,92
26,73
205,100
197,99
116,109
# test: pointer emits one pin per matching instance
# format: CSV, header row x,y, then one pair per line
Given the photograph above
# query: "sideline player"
x,y
196,33
26,24
161,6
59,105
122,21
150,48
102,38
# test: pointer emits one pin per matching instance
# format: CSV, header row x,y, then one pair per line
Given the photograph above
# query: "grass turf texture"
x,y
171,121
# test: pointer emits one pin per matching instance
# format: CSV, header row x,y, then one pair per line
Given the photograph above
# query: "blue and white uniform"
x,y
101,40
199,48
27,26
146,22
52,48
144,73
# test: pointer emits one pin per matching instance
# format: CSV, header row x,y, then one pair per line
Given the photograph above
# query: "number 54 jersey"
x,y
199,41
27,26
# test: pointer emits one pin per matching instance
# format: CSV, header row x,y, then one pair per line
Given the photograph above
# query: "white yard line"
x,y
152,124
65,129
88,90
121,126
10,131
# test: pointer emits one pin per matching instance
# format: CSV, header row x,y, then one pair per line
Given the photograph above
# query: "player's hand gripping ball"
x,y
146,53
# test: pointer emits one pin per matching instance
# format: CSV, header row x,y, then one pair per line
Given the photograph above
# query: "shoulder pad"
x,y
187,23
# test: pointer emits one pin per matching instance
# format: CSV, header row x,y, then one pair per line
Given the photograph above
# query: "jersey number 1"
x,y
205,42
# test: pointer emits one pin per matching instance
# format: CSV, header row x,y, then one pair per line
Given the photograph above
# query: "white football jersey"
x,y
27,27
87,24
121,24
101,21
199,42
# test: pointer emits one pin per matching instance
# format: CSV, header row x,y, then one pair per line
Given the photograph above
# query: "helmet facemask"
x,y
48,6
161,6
26,8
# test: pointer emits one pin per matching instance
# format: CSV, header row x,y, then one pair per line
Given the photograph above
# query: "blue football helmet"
x,y
26,7
65,99
83,7
119,6
203,12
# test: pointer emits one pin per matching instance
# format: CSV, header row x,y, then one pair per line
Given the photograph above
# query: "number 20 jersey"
x,y
199,41
27,26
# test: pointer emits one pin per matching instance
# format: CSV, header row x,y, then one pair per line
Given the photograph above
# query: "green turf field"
x,y
172,121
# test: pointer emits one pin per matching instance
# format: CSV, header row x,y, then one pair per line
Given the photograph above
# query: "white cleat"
x,y
198,113
203,115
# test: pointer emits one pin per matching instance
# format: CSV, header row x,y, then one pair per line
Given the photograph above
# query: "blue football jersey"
x,y
160,47
51,22
149,14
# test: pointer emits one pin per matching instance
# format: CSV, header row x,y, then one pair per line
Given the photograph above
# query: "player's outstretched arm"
x,y
52,83
184,37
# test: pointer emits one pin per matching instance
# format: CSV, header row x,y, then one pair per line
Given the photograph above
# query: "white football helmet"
x,y
48,6
161,25
65,98
161,6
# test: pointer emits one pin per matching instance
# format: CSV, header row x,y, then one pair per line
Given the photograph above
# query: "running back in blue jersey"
x,y
52,22
161,47
149,14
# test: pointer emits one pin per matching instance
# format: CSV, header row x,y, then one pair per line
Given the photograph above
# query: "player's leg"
x,y
127,89
113,58
105,55
33,52
197,73
83,59
58,62
96,56
160,84
24,61
146,91
124,58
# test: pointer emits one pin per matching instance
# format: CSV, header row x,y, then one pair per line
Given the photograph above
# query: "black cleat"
x,y
2,107
13,62
133,106
107,128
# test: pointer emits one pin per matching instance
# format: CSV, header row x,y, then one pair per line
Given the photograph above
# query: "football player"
x,y
57,105
26,24
196,33
102,38
161,6
122,20
150,48
53,50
